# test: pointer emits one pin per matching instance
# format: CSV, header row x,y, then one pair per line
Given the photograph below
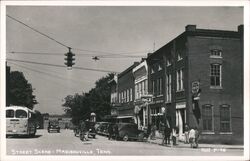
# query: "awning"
x,y
123,117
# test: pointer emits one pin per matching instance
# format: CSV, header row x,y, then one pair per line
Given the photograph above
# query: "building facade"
x,y
126,95
140,73
197,79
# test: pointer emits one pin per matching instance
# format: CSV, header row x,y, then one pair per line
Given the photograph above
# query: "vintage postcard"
x,y
124,80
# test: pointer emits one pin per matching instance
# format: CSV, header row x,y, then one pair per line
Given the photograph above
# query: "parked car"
x,y
54,126
130,131
103,128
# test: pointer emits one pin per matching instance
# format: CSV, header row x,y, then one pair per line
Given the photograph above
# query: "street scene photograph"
x,y
124,80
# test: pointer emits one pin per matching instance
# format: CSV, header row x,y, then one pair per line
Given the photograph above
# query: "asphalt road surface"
x,y
65,143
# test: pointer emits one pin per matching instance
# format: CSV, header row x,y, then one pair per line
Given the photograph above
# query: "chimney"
x,y
241,29
149,54
190,27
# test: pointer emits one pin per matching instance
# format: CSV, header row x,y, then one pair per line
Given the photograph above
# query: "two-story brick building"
x,y
200,73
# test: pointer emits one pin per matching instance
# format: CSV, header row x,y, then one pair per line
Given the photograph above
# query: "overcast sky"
x,y
132,30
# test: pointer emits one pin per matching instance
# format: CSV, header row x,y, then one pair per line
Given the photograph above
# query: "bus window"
x,y
9,113
21,114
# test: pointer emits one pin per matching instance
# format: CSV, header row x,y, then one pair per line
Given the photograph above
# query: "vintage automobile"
x,y
103,128
129,131
53,126
86,129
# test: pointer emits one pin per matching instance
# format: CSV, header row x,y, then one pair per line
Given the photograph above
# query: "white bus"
x,y
20,121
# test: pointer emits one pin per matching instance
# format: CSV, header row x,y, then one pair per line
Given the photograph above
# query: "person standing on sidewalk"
x,y
167,133
174,135
192,137
186,134
153,130
149,131
196,137
110,131
116,131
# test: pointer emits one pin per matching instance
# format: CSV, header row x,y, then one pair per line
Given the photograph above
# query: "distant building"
x,y
64,121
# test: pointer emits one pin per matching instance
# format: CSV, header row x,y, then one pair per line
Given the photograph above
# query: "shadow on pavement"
x,y
23,137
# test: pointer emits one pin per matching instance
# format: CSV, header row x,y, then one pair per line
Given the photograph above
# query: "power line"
x,y
49,37
38,31
59,54
42,72
54,65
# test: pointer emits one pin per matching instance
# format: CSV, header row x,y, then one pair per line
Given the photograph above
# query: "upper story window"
x,y
152,70
168,62
131,94
168,87
216,53
215,75
179,80
179,56
159,67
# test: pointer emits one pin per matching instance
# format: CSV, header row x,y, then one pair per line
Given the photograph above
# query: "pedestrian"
x,y
149,131
153,130
167,133
174,136
192,137
196,137
110,131
116,131
186,134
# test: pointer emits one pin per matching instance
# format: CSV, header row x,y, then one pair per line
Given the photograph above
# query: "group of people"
x,y
113,131
191,135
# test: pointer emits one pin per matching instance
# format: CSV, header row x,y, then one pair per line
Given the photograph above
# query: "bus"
x,y
20,121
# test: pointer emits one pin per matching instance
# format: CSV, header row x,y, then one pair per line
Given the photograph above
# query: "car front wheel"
x,y
125,137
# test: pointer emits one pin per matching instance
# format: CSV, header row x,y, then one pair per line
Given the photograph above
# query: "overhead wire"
x,y
69,47
40,72
54,65
43,72
84,55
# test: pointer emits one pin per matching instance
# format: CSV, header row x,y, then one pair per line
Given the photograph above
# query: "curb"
x,y
179,146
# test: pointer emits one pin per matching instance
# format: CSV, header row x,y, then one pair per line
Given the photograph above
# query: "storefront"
x,y
181,118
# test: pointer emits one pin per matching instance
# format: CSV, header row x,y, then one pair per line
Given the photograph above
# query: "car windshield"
x,y
9,113
21,114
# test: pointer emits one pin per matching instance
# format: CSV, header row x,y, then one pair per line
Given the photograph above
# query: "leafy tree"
x,y
97,100
20,91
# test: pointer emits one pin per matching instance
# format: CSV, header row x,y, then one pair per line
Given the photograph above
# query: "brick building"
x,y
126,88
199,73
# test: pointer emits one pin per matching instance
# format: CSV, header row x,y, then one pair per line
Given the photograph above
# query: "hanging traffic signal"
x,y
69,59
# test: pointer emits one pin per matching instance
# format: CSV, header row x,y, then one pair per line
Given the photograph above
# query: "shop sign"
x,y
195,87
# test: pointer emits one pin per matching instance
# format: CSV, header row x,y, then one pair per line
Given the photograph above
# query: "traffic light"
x,y
69,59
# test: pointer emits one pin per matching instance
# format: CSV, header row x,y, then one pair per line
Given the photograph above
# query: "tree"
x,y
20,91
97,100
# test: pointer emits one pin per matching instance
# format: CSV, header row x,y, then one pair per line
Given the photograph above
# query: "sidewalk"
x,y
201,145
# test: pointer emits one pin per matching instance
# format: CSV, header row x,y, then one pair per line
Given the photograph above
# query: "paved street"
x,y
65,143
